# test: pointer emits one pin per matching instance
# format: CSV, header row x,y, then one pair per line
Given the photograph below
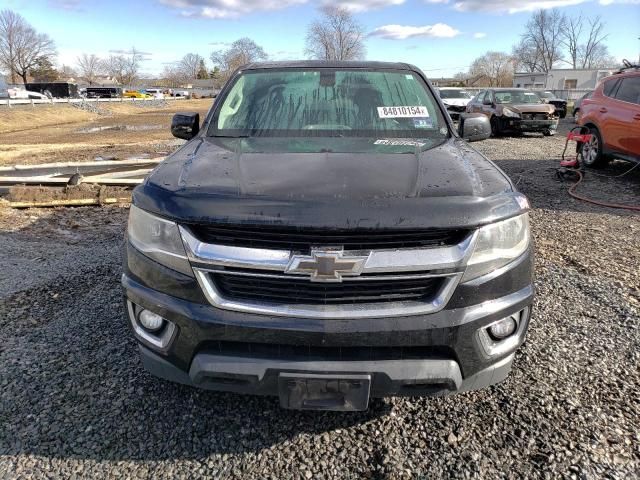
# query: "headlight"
x,y
497,245
158,239
507,112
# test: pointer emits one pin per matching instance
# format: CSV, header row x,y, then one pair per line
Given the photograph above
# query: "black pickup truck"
x,y
326,236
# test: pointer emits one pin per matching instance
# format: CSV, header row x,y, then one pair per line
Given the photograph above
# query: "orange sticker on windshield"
x,y
403,112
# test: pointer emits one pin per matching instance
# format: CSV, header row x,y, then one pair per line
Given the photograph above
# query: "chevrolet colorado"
x,y
326,236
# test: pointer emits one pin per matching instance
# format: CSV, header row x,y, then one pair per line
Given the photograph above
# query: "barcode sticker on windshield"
x,y
400,142
403,112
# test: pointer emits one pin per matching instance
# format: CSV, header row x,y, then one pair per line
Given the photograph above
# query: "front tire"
x,y
548,133
592,154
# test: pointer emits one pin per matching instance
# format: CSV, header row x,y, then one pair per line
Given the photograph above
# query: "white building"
x,y
563,79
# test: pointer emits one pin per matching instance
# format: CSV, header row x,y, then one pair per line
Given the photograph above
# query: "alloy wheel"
x,y
590,150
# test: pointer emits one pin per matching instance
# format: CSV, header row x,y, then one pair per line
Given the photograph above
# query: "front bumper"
x,y
520,125
258,376
433,354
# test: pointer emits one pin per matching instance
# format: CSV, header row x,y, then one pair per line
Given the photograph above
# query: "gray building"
x,y
563,79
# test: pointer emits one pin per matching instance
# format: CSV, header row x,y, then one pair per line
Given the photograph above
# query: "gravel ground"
x,y
75,402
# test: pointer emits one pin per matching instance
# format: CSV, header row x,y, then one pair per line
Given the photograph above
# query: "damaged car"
x,y
455,100
327,236
559,103
515,110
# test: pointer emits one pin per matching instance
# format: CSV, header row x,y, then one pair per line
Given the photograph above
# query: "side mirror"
x,y
185,125
474,127
487,102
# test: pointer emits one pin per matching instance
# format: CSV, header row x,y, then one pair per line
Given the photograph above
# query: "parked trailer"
x,y
104,92
54,89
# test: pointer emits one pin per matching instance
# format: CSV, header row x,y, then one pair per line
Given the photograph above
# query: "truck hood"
x,y
256,182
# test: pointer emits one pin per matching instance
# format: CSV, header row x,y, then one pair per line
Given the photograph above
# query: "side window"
x,y
478,97
629,90
609,87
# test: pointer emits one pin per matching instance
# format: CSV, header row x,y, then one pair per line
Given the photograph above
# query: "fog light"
x,y
503,328
150,321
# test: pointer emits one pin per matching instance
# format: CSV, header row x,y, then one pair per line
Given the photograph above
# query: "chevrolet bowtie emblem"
x,y
326,265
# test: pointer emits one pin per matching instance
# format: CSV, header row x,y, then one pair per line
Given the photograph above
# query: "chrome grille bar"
x,y
379,261
447,262
253,273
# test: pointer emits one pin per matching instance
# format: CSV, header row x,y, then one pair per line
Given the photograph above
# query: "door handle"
x,y
603,110
636,116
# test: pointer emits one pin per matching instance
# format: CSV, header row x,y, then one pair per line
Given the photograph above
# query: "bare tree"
x,y
240,52
461,79
190,65
571,39
124,67
597,57
67,71
133,58
335,36
113,65
593,52
527,57
495,67
542,41
21,47
172,75
89,67
10,25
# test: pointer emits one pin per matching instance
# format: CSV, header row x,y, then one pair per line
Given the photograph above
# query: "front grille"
x,y
535,116
457,108
327,353
298,239
289,290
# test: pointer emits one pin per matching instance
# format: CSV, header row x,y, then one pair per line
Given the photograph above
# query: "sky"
x,y
441,37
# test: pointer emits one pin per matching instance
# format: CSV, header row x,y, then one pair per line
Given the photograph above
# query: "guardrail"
x,y
104,172
52,101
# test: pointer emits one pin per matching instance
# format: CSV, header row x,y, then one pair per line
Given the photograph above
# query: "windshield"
x,y
546,95
517,97
329,103
455,94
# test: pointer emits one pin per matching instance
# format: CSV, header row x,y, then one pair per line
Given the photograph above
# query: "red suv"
x,y
612,115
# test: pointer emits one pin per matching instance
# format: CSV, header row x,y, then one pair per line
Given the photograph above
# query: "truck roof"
x,y
329,64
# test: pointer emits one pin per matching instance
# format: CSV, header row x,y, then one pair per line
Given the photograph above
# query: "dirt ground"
x,y
56,133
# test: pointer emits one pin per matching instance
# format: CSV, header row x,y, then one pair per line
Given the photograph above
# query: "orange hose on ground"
x,y
597,202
